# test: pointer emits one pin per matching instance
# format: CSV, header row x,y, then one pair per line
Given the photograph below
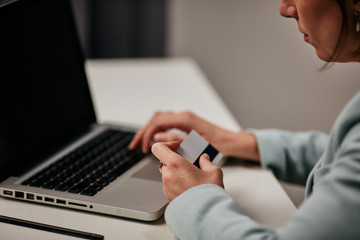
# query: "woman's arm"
x,y
331,212
290,156
237,144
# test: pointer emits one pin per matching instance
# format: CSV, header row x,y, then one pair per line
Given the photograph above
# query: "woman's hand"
x,y
156,128
237,144
179,175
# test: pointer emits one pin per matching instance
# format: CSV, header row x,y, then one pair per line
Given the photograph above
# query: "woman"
x,y
329,166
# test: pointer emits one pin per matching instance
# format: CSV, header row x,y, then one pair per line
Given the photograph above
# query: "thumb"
x,y
173,145
205,163
165,150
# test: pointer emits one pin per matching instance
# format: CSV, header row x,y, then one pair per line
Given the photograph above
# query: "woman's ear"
x,y
356,9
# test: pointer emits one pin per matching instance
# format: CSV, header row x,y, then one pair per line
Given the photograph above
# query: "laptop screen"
x,y
44,96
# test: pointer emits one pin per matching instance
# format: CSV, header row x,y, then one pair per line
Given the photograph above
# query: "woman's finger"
x,y
166,152
161,121
168,137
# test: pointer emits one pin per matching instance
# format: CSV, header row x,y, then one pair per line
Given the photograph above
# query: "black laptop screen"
x,y
44,96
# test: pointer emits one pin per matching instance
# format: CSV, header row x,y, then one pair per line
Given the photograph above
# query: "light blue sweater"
x,y
330,167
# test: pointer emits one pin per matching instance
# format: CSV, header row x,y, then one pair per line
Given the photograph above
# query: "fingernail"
x,y
205,155
159,137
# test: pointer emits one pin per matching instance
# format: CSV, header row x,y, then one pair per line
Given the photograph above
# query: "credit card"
x,y
194,146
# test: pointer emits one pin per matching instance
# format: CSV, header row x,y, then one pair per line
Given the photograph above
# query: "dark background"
x,y
121,28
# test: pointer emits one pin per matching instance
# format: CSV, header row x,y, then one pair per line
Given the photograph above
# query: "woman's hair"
x,y
342,37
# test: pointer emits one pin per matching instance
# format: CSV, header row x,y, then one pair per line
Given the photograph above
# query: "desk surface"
x,y
129,91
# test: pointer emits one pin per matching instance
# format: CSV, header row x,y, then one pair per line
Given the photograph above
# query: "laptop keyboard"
x,y
91,167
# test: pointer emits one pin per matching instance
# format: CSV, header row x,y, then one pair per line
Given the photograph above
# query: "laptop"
x,y
52,150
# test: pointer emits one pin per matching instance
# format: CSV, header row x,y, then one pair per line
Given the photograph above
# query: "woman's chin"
x,y
324,56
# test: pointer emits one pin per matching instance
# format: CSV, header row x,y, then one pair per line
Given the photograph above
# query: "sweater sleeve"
x,y
208,212
331,212
290,156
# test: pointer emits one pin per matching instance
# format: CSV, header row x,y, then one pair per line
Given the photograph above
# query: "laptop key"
x,y
36,184
64,186
102,183
95,187
51,184
88,192
78,187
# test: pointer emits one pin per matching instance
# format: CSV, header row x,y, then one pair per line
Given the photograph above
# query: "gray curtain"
x,y
121,28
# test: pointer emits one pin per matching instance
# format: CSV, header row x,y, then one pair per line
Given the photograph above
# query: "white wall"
x,y
260,65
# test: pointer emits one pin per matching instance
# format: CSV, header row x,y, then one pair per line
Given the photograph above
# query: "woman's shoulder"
x,y
348,121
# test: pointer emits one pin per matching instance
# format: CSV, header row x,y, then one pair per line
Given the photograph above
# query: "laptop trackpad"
x,y
149,172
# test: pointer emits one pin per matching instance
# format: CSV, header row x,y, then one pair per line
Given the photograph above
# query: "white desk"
x,y
129,92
